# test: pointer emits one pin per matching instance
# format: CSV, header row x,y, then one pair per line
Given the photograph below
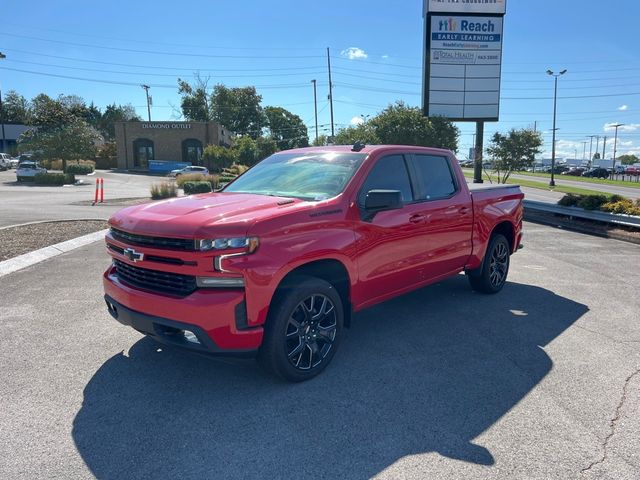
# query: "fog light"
x,y
190,337
220,282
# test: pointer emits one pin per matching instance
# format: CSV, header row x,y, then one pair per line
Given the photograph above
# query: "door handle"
x,y
464,210
417,218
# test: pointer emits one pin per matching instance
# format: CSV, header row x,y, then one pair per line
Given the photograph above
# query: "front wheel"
x,y
303,329
495,267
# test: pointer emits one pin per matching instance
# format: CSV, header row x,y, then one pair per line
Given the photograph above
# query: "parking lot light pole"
x,y
4,141
615,145
555,76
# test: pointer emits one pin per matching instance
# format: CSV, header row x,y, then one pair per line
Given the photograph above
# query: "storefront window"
x,y
142,152
192,151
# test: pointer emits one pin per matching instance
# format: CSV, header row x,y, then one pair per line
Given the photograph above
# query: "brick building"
x,y
171,142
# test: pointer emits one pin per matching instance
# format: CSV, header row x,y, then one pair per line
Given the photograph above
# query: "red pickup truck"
x,y
275,264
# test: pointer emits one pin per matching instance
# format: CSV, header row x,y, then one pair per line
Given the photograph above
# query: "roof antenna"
x,y
358,146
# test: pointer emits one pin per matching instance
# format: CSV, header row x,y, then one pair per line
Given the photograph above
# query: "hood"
x,y
201,216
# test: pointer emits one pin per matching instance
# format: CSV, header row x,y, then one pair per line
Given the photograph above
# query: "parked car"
x,y
28,170
574,171
596,173
275,264
632,170
188,170
5,161
25,157
14,162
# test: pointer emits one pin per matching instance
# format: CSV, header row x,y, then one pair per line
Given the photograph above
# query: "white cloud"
x,y
622,108
354,53
385,56
629,127
357,121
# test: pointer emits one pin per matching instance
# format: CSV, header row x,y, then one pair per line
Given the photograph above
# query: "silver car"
x,y
28,170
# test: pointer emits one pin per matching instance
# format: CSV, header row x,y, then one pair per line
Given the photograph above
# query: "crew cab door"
x,y
391,245
447,211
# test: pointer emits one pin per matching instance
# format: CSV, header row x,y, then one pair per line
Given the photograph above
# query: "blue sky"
x,y
376,48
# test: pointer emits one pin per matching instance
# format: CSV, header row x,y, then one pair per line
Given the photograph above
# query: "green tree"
x,y
286,128
596,156
514,151
194,101
266,147
629,159
403,125
364,132
49,112
246,150
15,108
215,158
320,141
238,109
115,113
73,140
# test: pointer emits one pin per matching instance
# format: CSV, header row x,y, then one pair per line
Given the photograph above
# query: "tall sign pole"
x,y
463,64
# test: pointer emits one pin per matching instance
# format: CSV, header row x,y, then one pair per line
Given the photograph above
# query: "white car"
x,y
28,170
188,170
5,161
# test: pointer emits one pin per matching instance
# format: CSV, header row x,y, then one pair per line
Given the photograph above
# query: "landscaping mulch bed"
x,y
19,240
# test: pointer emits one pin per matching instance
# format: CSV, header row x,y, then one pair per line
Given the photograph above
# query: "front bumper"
x,y
217,317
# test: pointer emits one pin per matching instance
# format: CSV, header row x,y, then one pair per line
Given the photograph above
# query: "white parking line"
x,y
37,256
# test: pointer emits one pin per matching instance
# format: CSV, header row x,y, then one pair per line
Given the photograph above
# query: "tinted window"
x,y
433,176
389,173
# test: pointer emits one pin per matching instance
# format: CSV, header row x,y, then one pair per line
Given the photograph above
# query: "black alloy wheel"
x,y
303,329
311,331
492,276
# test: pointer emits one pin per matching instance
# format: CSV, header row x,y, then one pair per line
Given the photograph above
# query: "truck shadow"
x,y
426,372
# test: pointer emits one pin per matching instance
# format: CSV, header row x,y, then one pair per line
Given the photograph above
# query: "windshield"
x,y
309,176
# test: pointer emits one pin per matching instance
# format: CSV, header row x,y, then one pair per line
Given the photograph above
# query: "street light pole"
x,y
584,149
555,76
4,141
615,145
590,149
315,106
146,90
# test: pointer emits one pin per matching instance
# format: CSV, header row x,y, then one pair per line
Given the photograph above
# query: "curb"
x,y
55,221
37,256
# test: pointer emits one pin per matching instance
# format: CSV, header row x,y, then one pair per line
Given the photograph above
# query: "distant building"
x,y
9,140
161,145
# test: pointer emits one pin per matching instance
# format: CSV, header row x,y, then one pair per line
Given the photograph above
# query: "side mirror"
x,y
381,201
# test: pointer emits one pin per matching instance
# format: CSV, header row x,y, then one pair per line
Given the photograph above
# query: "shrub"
x,y
592,202
569,200
227,179
80,169
191,188
54,179
625,206
197,177
52,164
163,190
236,169
216,158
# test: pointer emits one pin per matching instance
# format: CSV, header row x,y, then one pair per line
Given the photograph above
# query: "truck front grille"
x,y
153,242
154,280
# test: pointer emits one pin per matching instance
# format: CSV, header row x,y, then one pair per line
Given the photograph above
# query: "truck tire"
x,y
495,267
303,329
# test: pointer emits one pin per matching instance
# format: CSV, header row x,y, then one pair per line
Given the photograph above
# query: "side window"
x,y
433,177
389,173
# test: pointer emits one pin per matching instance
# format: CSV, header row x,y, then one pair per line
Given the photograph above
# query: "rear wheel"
x,y
303,329
495,267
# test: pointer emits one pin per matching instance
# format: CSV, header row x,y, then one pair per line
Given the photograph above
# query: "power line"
x,y
156,52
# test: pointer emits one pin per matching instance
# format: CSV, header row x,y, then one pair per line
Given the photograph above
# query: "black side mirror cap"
x,y
380,201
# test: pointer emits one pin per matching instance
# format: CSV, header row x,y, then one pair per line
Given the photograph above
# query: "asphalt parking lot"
x,y
541,381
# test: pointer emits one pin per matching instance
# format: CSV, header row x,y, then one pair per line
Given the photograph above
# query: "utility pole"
x,y
330,93
615,145
4,141
604,146
315,106
146,90
535,126
584,149
597,143
552,183
590,149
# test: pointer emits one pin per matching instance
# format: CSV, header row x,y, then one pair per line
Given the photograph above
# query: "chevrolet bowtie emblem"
x,y
132,255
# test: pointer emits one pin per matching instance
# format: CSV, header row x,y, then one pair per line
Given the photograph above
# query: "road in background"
x,y
629,192
24,202
441,383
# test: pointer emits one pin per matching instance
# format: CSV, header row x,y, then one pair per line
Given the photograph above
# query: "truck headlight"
x,y
249,244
